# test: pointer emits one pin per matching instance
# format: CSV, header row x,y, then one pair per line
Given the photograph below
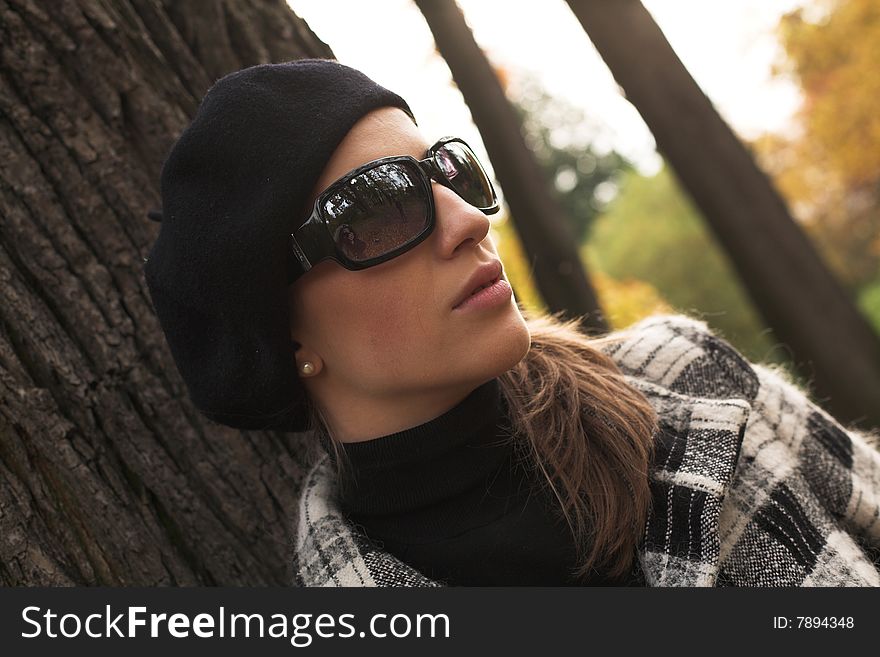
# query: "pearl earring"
x,y
307,368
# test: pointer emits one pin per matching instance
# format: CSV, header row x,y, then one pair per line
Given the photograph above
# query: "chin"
x,y
510,344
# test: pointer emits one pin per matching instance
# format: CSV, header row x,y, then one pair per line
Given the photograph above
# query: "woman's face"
x,y
389,335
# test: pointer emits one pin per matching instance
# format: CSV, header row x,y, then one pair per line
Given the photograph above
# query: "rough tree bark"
x,y
537,214
834,346
107,473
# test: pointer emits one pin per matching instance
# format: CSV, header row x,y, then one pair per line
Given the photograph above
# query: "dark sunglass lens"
x,y
377,211
465,173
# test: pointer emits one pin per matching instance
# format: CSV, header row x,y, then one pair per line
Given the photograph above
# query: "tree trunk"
x,y
108,475
833,344
538,216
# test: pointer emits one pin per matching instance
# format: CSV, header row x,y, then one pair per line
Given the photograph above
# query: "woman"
x,y
350,243
463,442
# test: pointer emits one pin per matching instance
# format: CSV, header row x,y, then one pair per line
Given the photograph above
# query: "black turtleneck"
x,y
452,499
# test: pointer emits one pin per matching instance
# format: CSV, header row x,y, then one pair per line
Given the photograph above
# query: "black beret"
x,y
234,186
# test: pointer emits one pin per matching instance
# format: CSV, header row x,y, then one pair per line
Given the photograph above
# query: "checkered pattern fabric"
x,y
752,483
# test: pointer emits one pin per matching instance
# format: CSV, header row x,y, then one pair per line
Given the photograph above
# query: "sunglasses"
x,y
385,207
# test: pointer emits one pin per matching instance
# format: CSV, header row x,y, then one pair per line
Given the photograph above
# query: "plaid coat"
x,y
752,483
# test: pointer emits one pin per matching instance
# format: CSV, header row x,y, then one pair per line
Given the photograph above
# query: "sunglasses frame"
x,y
313,242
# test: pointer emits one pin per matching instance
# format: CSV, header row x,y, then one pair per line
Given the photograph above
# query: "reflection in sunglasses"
x,y
444,161
377,211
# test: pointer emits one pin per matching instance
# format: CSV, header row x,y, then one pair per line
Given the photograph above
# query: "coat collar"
x,y
698,444
330,551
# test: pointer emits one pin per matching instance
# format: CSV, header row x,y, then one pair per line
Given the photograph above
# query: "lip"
x,y
484,274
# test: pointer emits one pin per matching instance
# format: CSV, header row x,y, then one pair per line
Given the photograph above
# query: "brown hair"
x,y
565,386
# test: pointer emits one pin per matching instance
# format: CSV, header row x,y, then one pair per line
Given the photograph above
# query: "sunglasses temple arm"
x,y
301,258
310,243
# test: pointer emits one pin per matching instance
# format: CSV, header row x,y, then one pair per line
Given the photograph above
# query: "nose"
x,y
458,224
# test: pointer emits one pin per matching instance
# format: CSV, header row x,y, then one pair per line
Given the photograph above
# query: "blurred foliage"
x,y
869,301
830,170
653,233
627,301
563,140
836,62
645,247
623,302
517,269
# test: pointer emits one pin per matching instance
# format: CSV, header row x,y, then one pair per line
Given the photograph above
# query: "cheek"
x,y
385,325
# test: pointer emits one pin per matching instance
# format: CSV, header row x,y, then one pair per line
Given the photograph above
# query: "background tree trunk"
x,y
108,475
538,216
834,346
